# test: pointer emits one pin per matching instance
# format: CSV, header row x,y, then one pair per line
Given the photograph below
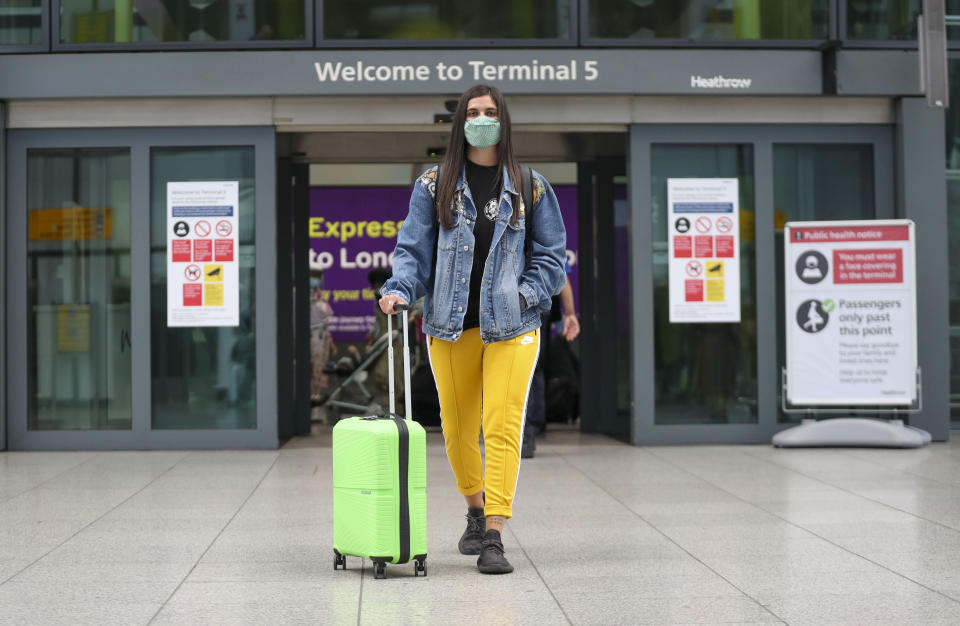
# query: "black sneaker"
x,y
470,542
491,559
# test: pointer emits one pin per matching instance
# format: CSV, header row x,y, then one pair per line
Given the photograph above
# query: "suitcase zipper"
x,y
404,439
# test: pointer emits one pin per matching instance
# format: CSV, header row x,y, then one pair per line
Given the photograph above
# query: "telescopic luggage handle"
x,y
401,310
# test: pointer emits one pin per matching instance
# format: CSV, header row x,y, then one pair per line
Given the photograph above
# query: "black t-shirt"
x,y
486,198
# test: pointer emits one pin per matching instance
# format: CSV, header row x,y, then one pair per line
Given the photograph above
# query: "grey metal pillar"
x,y
3,279
641,283
922,197
266,273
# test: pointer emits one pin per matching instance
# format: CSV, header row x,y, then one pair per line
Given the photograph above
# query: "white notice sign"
x,y
203,277
850,313
703,233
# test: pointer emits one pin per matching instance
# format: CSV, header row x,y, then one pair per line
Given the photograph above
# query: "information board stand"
x,y
850,302
852,431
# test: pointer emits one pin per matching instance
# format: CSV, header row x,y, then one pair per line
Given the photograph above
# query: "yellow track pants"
x,y
484,384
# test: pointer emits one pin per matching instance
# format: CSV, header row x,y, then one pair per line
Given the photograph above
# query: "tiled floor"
x,y
604,533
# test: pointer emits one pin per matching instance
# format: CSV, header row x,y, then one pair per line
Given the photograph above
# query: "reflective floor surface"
x,y
603,533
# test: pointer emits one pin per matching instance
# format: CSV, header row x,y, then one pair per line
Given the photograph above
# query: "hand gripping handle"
x,y
401,310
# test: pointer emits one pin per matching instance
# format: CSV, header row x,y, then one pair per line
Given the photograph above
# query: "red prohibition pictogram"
x,y
224,228
704,224
192,272
694,269
724,224
201,228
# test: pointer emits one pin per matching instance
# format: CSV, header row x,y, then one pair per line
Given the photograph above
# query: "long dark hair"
x,y
457,150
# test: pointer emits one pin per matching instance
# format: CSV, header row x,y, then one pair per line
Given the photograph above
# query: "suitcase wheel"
x,y
339,561
379,569
420,566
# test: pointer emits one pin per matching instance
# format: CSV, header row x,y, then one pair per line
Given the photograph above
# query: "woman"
x,y
463,247
321,341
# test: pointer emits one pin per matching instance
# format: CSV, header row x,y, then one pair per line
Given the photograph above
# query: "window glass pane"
x,y
816,182
203,377
882,19
953,228
198,21
710,19
78,291
21,22
705,373
446,19
953,20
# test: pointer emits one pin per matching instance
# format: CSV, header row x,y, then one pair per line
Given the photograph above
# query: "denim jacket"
x,y
503,313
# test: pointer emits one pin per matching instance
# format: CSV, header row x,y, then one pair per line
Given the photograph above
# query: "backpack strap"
x,y
436,214
526,194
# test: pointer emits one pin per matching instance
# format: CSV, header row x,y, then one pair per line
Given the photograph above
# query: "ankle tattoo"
x,y
496,522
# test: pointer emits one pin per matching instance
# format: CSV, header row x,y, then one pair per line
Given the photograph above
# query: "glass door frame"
x,y
140,141
293,300
762,138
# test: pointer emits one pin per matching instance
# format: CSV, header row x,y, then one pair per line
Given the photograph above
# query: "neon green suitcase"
x,y
380,484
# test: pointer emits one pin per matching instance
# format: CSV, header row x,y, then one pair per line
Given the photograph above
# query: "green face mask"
x,y
482,131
